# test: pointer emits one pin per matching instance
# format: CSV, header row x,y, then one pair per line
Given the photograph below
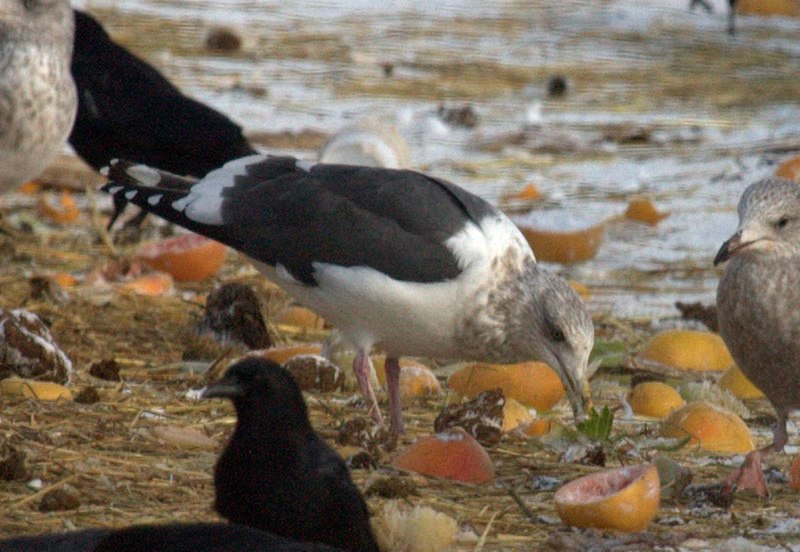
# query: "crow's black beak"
x,y
728,248
223,388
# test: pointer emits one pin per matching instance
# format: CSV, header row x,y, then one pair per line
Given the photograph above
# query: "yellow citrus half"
x,y
710,427
654,399
622,499
688,350
534,384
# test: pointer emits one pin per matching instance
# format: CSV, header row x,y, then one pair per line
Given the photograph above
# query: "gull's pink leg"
x,y
750,474
392,367
361,368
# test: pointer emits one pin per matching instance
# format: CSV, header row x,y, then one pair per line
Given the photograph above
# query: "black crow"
x,y
205,537
194,537
276,473
127,109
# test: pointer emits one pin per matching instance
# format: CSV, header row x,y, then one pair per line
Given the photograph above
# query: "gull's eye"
x,y
557,335
783,221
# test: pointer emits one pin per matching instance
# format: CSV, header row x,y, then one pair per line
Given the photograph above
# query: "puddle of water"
x,y
662,102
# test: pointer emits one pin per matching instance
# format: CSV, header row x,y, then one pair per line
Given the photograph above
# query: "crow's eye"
x,y
783,221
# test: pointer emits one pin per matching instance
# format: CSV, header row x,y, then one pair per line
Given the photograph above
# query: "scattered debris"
x,y
557,86
107,369
60,499
482,417
13,463
706,314
392,487
28,350
233,314
460,116
224,40
315,373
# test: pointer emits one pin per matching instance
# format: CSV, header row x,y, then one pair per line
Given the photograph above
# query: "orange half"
x,y
710,427
787,8
642,209
281,353
187,258
452,454
790,169
740,385
654,399
62,210
534,384
688,350
416,379
623,499
564,247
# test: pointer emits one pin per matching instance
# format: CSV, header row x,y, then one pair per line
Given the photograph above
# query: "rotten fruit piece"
x,y
688,350
580,289
622,499
737,383
452,454
528,193
187,258
301,317
534,384
281,353
790,169
416,379
61,209
315,373
515,415
42,390
564,247
786,8
157,283
183,437
539,427
654,399
710,427
641,209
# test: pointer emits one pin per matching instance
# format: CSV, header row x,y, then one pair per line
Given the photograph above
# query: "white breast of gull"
x,y
395,259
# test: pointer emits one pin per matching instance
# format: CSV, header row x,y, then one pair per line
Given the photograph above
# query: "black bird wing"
x,y
282,212
73,541
347,524
127,109
206,537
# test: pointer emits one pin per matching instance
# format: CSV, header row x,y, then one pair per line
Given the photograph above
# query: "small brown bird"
x,y
758,305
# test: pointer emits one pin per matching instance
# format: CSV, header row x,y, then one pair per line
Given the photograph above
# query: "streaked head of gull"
x,y
560,333
769,221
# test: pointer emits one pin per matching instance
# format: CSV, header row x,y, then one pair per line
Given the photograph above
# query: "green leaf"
x,y
598,425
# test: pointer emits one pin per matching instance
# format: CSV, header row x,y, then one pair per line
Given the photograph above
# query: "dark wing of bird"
x,y
274,210
127,109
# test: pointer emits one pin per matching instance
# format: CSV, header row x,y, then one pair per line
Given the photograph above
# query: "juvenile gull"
x,y
395,259
37,94
758,305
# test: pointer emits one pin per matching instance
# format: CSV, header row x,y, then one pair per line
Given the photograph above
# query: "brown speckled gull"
x,y
758,302
37,94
